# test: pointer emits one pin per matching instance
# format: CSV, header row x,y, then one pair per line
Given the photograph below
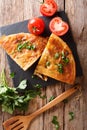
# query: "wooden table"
x,y
12,11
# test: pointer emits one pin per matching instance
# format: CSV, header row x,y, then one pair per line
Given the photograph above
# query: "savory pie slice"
x,y
24,48
57,61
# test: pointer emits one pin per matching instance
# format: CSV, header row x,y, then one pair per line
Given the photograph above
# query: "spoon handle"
x,y
57,100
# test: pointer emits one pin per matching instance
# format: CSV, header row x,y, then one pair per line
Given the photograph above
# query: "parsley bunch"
x,y
11,99
55,122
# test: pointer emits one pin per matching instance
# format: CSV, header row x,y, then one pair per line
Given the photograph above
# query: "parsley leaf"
x,y
38,87
71,116
11,99
55,122
12,75
56,56
64,58
30,47
60,68
22,85
25,45
47,63
22,45
51,98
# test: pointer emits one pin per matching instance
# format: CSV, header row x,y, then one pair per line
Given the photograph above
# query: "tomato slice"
x,y
48,8
36,26
58,26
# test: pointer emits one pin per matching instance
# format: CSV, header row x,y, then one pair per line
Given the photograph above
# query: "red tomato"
x,y
48,8
36,26
58,26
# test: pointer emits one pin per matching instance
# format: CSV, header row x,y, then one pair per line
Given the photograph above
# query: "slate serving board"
x,y
19,73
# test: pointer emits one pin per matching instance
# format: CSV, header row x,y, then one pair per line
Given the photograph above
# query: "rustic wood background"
x,y
12,11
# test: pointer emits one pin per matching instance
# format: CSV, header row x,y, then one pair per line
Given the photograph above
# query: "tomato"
x,y
48,8
58,26
36,26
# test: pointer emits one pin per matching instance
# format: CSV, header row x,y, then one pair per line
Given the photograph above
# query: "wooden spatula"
x,y
23,122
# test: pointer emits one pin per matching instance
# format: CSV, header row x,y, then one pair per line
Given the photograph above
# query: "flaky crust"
x,y
56,45
25,57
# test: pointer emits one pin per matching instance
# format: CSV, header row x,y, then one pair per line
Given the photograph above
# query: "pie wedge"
x,y
57,61
24,48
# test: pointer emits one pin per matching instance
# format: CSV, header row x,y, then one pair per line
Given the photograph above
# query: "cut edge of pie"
x,y
57,61
23,48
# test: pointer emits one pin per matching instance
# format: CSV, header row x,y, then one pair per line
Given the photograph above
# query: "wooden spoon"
x,y
23,122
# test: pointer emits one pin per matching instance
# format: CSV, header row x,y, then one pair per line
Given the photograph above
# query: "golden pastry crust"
x,y
57,61
23,48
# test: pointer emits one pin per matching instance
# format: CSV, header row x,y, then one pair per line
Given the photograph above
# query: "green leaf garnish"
x,y
10,97
31,47
38,86
51,98
12,75
64,58
55,122
25,45
71,116
56,56
22,45
60,68
22,85
47,63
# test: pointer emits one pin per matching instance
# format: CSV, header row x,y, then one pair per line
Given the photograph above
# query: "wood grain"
x,y
12,11
54,91
77,14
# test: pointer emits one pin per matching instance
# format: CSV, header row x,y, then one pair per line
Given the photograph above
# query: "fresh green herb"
x,y
11,99
22,45
22,85
55,122
71,116
25,45
31,47
64,58
12,75
38,87
56,56
47,63
60,68
51,98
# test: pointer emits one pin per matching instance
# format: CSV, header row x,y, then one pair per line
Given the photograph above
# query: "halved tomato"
x,y
48,8
36,26
58,26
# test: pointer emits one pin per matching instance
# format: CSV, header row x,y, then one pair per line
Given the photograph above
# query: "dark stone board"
x,y
19,73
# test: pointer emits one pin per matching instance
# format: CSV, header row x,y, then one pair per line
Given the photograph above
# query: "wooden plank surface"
x,y
12,11
77,14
